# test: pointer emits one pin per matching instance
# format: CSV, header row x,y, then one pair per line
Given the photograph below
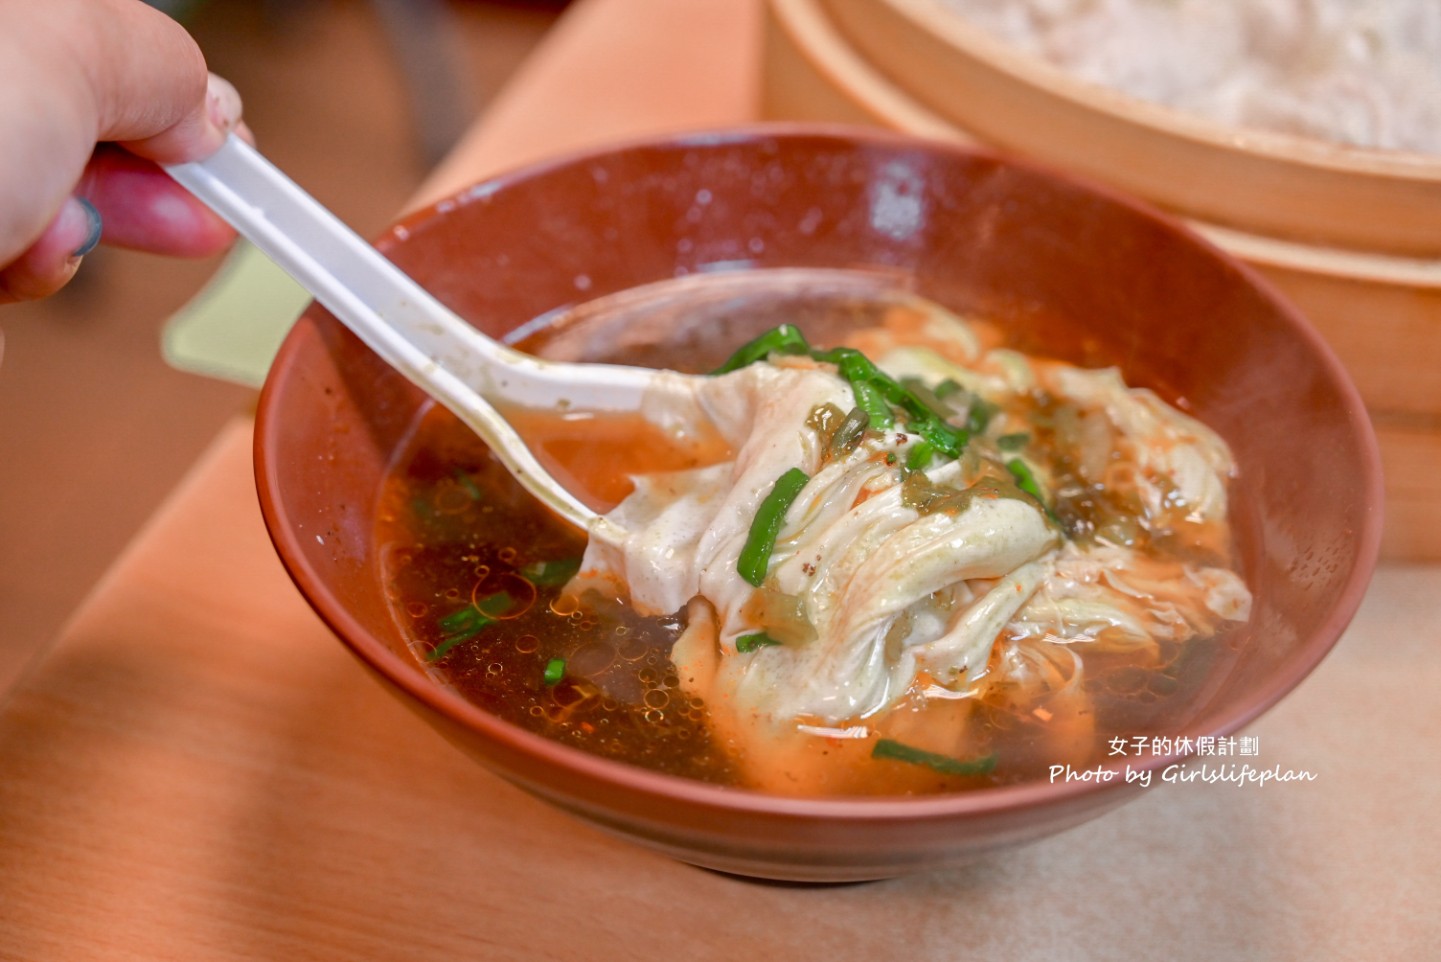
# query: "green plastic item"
x,y
233,327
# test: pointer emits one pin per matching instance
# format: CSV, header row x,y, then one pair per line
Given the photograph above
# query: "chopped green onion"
x,y
459,619
1025,480
948,440
766,526
465,619
853,365
945,764
456,637
875,390
551,573
956,400
918,387
1013,442
868,383
464,479
554,671
480,614
900,395
980,414
903,396
760,639
832,355
495,605
785,339
922,417
920,455
443,649
946,388
465,624
870,400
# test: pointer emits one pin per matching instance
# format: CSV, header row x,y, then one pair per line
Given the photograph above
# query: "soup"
x,y
973,563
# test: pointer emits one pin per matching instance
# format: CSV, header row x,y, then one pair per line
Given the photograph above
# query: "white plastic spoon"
x,y
416,334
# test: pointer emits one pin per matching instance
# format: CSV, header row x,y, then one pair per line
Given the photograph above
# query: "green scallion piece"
x,y
870,400
495,605
785,339
766,526
948,440
945,764
551,573
927,397
443,649
915,403
554,671
464,479
1013,442
920,455
458,620
1025,480
833,355
854,366
465,624
463,620
876,392
900,395
922,417
760,639
868,383
980,414
458,632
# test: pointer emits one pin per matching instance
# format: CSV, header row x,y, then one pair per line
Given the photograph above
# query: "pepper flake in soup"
x,y
916,561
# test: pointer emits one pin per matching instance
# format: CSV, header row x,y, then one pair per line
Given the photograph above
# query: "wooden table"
x,y
197,769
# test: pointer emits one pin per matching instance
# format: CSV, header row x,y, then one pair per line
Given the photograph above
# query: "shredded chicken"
x,y
871,598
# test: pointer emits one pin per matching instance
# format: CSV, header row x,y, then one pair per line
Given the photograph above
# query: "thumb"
x,y
148,82
197,134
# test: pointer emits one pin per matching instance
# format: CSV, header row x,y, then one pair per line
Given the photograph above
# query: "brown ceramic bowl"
x,y
970,230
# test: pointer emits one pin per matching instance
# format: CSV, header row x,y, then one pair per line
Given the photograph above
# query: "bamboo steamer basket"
x,y
1362,260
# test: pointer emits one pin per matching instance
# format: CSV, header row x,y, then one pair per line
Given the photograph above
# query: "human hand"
x,y
93,94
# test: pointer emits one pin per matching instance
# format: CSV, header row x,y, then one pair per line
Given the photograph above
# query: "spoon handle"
x,y
385,308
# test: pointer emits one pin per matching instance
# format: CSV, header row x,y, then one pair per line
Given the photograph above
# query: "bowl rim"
x,y
409,676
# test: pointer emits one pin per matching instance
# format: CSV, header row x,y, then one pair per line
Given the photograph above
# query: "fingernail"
x,y
222,101
80,207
